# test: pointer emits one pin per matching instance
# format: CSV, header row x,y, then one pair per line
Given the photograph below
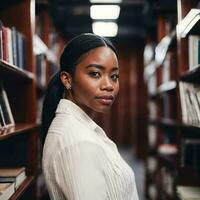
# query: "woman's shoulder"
x,y
68,121
70,134
83,147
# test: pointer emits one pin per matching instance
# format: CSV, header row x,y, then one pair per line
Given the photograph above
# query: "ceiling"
x,y
136,19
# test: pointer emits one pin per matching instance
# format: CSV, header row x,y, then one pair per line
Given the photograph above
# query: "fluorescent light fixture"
x,y
105,1
107,29
104,11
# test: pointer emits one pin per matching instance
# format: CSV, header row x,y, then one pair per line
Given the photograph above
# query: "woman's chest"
x,y
119,175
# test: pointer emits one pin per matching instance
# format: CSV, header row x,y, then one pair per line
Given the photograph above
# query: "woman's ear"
x,y
66,79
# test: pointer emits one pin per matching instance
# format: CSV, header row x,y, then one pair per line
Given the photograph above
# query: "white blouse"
x,y
81,163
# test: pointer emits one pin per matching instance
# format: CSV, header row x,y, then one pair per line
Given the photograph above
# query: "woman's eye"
x,y
115,76
94,74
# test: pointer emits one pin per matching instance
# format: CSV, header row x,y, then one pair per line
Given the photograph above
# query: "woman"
x,y
79,161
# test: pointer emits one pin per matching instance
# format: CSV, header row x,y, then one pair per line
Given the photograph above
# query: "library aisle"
x,y
138,167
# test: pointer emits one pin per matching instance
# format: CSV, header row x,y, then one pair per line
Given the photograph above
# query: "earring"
x,y
68,87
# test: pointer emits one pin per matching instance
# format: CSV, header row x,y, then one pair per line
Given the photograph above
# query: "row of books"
x,y
41,65
190,154
188,192
6,117
190,103
12,46
169,67
167,181
10,181
194,51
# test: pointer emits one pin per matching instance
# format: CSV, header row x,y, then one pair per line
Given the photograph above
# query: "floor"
x,y
138,168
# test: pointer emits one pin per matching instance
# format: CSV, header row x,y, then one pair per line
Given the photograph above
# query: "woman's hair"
x,y
70,57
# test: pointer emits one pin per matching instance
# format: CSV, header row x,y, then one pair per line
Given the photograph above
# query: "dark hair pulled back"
x,y
70,57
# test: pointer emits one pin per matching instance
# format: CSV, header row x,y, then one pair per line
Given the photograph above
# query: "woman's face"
x,y
95,84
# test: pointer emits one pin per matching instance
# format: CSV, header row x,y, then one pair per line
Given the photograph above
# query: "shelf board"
x,y
170,161
17,129
164,122
22,188
167,87
190,24
153,96
189,176
9,69
169,122
190,126
190,131
191,75
187,130
153,121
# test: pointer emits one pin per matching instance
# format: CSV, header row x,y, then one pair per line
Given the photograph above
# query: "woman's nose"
x,y
106,84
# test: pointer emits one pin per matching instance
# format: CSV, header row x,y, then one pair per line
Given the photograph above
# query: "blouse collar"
x,y
69,107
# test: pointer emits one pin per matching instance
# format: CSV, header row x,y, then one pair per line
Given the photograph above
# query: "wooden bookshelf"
x,y
190,24
19,144
8,69
164,123
178,128
48,37
188,177
18,129
167,87
23,187
170,161
191,76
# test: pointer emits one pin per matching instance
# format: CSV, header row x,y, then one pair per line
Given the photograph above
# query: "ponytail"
x,y
53,95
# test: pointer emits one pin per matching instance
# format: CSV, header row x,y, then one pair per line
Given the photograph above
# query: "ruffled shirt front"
x,y
81,163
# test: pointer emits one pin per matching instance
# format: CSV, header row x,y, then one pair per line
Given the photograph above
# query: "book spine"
x,y
10,49
5,44
14,46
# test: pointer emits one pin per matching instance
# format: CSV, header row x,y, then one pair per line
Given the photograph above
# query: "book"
x,y
193,51
6,190
152,136
5,43
6,116
41,70
190,103
13,175
188,192
14,45
167,180
10,43
188,23
163,47
1,40
20,49
167,149
2,120
152,164
190,154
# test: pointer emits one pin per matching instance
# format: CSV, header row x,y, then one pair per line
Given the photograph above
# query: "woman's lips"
x,y
106,100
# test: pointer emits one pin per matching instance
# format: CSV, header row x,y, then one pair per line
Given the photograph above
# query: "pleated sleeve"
x,y
79,171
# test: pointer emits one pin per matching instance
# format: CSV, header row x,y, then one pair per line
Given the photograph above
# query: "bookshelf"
x,y
174,125
163,125
19,143
46,55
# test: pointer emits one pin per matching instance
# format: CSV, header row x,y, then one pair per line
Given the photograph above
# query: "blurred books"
x,y
6,190
12,175
188,193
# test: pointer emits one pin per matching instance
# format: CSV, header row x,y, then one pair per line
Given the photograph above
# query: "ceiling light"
x,y
104,11
107,29
105,1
